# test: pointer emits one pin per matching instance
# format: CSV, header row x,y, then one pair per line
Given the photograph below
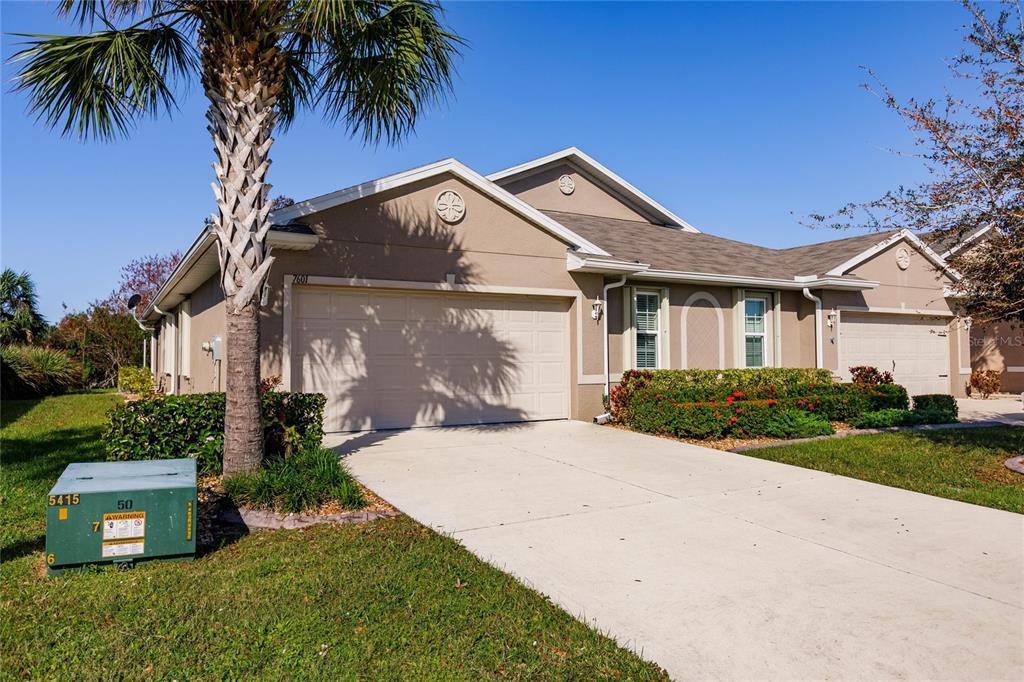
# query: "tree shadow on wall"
x,y
388,360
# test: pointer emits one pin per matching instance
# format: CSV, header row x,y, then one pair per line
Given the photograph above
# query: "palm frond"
x,y
99,84
87,12
317,17
381,67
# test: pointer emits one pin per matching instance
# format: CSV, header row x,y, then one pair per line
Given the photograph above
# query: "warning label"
x,y
123,548
124,525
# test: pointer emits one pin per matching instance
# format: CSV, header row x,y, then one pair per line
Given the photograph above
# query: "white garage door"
x,y
914,349
399,359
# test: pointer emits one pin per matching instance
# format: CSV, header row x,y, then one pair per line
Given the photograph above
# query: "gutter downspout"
x,y
818,350
602,418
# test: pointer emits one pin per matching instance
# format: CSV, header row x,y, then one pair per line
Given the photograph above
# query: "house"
x,y
441,296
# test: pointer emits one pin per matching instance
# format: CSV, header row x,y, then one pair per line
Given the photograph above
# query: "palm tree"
x,y
20,321
371,64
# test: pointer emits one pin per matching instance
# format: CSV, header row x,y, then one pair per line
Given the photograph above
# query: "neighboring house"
x,y
440,296
998,345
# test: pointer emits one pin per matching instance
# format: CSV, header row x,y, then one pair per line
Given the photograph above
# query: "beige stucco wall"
x,y
207,322
918,288
678,295
398,236
540,190
1000,346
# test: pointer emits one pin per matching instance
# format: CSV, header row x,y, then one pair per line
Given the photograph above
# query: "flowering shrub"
x,y
664,402
167,427
986,382
865,374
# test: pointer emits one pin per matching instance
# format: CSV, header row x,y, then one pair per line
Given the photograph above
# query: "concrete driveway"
x,y
717,565
1005,410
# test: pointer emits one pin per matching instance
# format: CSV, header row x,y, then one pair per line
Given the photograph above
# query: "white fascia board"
x,y
291,241
588,163
204,241
916,241
980,233
459,170
761,282
582,263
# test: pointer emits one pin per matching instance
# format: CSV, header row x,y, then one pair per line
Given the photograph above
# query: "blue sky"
x,y
741,118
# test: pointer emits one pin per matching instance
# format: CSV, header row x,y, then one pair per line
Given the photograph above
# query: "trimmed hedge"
x,y
881,419
939,407
192,425
695,403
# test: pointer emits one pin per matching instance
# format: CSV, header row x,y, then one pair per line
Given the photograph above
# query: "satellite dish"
x,y
134,301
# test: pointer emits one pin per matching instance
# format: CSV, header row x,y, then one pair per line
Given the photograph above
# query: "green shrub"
x,y
939,407
889,396
298,483
885,418
701,385
33,371
932,414
137,380
166,427
792,423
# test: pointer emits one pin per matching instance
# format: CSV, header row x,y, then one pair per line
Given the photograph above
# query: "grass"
x,y
386,600
958,464
302,482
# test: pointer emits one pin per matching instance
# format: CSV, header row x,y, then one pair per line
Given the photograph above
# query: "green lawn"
x,y
960,464
388,600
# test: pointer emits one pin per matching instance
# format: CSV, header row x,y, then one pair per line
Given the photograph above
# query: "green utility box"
x,y
121,513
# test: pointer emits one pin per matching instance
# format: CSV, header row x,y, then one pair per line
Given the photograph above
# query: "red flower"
x,y
739,410
732,420
738,394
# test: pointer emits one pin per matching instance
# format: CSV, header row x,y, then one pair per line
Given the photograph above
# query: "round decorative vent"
x,y
566,184
450,206
903,258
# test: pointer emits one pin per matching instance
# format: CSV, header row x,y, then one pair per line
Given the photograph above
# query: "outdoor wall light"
x,y
832,318
596,309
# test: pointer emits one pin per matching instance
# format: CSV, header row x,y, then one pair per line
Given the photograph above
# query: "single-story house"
x,y
442,296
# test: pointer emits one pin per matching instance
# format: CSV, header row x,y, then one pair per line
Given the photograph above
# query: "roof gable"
x,y
469,176
604,177
893,238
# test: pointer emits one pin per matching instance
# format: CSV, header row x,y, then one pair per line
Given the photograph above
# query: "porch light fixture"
x,y
595,311
832,318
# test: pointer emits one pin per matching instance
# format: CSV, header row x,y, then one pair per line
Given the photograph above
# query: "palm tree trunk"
x,y
242,84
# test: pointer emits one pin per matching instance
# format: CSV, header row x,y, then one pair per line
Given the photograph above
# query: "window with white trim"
x,y
756,329
646,312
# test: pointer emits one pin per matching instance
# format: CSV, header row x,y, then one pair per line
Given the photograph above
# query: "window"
x,y
645,315
755,329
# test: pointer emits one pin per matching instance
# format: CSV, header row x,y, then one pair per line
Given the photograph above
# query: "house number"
x,y
300,279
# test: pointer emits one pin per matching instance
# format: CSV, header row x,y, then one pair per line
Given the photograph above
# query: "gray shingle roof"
x,y
666,248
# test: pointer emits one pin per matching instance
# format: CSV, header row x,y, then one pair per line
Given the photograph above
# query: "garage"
x,y
914,348
399,359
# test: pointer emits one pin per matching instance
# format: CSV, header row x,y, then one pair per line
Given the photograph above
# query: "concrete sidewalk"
x,y
717,565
